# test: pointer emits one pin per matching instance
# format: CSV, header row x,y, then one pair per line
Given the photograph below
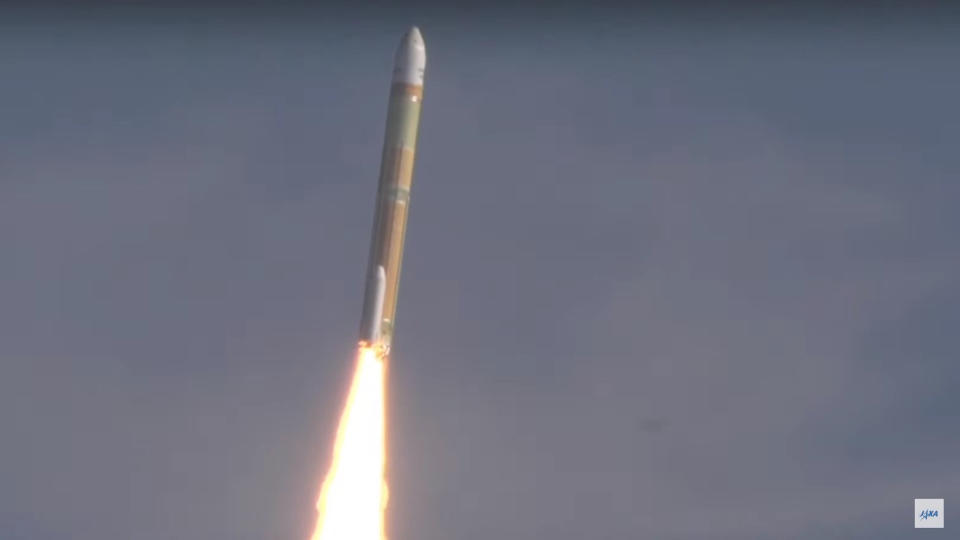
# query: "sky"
x,y
669,274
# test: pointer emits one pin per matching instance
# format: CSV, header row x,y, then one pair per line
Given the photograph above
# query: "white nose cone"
x,y
411,59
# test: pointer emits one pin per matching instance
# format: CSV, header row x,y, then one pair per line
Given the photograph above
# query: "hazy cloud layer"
x,y
667,281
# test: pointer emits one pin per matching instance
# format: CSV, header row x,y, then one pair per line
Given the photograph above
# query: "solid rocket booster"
x,y
375,292
393,193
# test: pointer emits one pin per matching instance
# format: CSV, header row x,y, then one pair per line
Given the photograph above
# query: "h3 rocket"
x,y
393,193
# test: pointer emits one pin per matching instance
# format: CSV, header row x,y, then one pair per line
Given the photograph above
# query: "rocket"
x,y
393,193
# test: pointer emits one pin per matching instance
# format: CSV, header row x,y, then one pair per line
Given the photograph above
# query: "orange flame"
x,y
354,494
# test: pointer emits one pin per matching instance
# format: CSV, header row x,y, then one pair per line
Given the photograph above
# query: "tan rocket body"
x,y
393,193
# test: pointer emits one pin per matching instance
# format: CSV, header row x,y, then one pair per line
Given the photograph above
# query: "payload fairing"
x,y
393,193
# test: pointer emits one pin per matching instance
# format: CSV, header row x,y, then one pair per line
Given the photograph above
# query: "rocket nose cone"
x,y
413,37
411,58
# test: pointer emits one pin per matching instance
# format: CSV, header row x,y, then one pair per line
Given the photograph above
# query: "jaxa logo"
x,y
928,513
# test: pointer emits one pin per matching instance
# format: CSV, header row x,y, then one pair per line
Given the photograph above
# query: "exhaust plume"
x,y
353,498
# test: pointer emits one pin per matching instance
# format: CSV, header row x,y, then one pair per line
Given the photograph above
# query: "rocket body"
x,y
393,194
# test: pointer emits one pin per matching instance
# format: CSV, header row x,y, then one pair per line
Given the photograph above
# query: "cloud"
x,y
659,291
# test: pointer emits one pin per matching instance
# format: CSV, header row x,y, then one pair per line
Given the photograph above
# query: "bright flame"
x,y
354,494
